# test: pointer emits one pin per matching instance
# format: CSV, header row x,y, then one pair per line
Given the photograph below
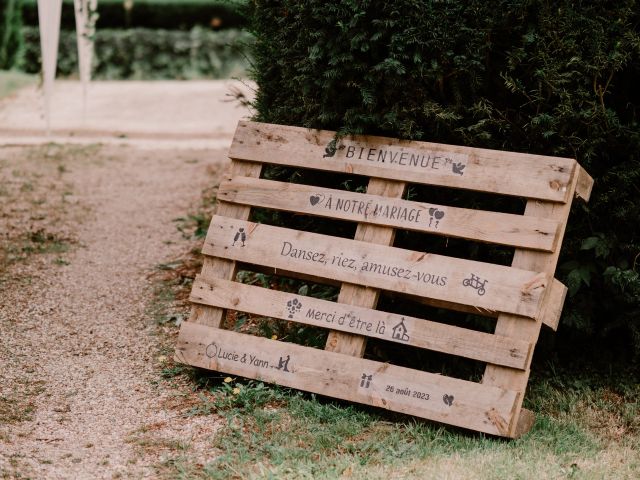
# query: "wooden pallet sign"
x,y
522,296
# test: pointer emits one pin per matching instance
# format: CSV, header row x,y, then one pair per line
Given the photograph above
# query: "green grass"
x,y
158,308
195,225
580,432
19,404
38,242
11,81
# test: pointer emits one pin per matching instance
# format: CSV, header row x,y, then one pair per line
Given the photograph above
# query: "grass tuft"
x,y
271,432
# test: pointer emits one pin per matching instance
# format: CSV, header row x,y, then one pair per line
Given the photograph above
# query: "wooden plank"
x,y
492,227
552,306
467,282
526,419
356,320
519,174
508,325
364,296
471,309
585,185
436,397
219,267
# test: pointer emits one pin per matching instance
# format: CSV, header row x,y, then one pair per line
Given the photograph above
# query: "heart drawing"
x,y
314,199
447,399
435,214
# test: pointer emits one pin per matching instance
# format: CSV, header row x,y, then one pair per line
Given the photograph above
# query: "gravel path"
x,y
79,353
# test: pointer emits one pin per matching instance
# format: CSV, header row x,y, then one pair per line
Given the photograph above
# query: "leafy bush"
x,y
11,41
149,54
552,78
165,14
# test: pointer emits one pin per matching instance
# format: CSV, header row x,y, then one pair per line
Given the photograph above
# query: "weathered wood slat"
x,y
401,329
219,267
492,227
436,397
507,173
484,285
507,324
552,306
584,185
349,344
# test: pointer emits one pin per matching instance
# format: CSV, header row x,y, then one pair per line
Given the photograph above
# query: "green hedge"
x,y
165,14
554,78
11,41
149,54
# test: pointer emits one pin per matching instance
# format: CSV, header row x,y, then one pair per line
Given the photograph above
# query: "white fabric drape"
x,y
49,19
86,16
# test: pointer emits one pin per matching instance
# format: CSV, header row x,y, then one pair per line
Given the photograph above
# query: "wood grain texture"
x,y
525,421
484,226
435,397
584,185
508,325
365,296
495,287
519,174
356,320
219,267
552,305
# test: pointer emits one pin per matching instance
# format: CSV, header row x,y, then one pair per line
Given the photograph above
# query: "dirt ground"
x,y
81,230
86,215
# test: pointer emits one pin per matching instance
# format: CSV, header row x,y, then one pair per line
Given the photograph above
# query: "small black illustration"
x,y
399,332
330,149
293,306
212,350
458,168
282,364
240,235
475,282
366,380
447,399
315,199
435,214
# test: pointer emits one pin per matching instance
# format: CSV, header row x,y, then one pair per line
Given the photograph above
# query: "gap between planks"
x,y
402,329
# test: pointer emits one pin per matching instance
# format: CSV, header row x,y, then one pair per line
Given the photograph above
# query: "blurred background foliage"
x,y
147,54
136,39
551,78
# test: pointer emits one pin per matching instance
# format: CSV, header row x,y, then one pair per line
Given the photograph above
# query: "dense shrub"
x,y
149,54
164,14
556,78
11,42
